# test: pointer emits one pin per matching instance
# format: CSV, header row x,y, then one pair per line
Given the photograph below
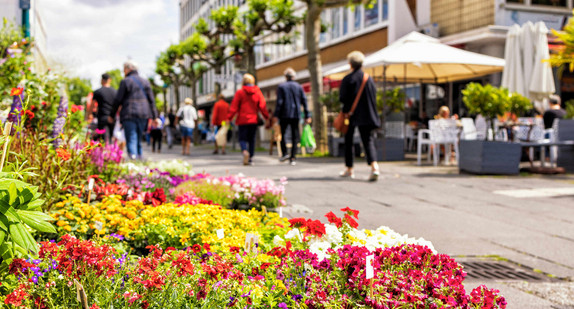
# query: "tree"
x,y
116,76
191,64
168,69
312,35
78,89
261,17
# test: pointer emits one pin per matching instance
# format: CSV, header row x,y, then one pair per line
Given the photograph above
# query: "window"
x,y
372,15
325,21
345,21
336,23
556,3
358,13
385,9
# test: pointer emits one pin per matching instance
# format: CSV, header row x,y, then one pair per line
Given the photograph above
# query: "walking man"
x,y
137,106
290,99
220,110
105,99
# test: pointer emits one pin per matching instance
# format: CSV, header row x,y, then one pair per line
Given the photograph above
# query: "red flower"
x,y
264,266
350,211
19,266
234,249
196,248
315,228
44,103
16,91
297,222
206,247
95,306
351,221
15,298
30,114
63,153
334,219
77,108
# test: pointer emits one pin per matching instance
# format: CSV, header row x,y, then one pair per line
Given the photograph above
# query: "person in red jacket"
x,y
247,103
220,111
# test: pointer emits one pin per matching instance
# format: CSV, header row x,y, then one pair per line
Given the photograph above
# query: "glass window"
x,y
324,21
558,3
372,14
345,21
385,9
299,41
358,13
336,23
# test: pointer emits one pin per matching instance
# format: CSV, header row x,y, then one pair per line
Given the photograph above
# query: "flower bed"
x,y
408,276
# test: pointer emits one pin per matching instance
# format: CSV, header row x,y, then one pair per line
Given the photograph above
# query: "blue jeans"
x,y
134,129
247,137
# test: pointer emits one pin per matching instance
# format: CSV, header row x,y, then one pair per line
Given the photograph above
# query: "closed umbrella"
x,y
528,47
513,74
542,82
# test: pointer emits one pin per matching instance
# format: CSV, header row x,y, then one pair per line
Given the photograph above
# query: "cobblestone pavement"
x,y
527,220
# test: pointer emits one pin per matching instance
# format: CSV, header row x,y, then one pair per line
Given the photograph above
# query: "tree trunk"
x,y
177,98
250,55
164,92
196,134
312,34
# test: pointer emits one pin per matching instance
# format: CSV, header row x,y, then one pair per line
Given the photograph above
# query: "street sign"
x,y
25,4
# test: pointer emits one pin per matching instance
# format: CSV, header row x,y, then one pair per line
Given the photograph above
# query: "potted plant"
x,y
490,157
335,141
391,143
565,132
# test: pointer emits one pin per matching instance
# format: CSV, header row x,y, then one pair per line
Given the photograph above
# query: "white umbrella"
x,y
528,48
420,58
513,75
542,82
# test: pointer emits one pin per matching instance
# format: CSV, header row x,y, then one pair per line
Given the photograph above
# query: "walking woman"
x,y
188,116
247,103
363,116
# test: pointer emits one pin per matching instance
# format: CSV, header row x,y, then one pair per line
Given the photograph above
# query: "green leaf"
x,y
37,220
2,236
5,251
13,193
8,211
34,205
18,236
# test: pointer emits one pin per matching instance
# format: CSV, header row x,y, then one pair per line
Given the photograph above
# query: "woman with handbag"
x,y
247,103
359,97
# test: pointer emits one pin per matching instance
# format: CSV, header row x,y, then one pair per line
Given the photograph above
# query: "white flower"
x,y
278,241
320,249
294,233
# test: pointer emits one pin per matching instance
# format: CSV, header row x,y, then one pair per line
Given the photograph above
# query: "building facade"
x,y
22,12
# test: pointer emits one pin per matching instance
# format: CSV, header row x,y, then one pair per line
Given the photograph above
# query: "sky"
x,y
90,37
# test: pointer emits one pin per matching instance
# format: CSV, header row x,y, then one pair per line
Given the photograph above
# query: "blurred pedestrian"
x,y
156,133
247,103
555,111
220,110
135,98
362,110
186,117
104,98
290,99
170,128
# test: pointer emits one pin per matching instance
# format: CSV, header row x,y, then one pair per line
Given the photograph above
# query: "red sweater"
x,y
246,103
220,110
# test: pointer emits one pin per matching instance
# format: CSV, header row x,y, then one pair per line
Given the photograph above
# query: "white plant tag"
x,y
254,242
91,184
248,237
99,225
220,234
370,271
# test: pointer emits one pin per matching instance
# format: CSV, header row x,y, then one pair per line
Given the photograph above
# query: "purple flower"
x,y
60,120
282,305
117,236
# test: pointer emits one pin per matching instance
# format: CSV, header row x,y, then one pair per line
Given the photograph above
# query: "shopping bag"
x,y
307,137
221,136
210,136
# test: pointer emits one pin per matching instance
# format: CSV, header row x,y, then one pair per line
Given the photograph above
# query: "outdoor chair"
x,y
410,137
469,131
481,127
440,132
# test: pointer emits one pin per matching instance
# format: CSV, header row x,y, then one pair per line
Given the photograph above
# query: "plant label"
x,y
220,234
248,237
81,294
254,243
98,225
370,271
91,184
264,209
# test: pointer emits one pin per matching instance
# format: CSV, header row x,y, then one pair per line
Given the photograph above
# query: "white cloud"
x,y
90,37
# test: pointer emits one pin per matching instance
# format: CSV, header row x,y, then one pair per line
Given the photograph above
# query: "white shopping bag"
x,y
221,136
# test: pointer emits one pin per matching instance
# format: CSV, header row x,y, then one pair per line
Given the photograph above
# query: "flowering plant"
x,y
408,276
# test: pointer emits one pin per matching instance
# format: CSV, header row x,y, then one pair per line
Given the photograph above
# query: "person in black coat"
x,y
290,99
365,117
137,103
105,98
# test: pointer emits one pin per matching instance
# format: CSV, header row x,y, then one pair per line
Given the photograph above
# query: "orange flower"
x,y
63,153
16,91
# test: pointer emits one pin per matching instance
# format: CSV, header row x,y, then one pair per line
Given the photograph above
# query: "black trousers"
x,y
246,136
293,123
368,140
156,136
103,123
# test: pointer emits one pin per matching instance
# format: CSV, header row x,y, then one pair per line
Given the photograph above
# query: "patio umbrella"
x,y
542,81
513,74
528,49
422,59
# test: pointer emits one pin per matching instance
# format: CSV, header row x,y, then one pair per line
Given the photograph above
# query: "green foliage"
x,y
116,76
565,55
519,105
391,101
486,100
569,109
20,210
331,101
219,194
78,89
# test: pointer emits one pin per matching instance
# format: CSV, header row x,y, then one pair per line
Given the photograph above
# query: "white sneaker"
x,y
347,174
374,176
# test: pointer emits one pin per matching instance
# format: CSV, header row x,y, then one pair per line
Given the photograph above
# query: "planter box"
x,y
489,157
566,153
390,149
337,146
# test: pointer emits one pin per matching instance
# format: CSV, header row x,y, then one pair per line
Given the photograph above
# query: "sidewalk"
x,y
528,220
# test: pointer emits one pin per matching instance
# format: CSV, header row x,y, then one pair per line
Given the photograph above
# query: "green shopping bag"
x,y
307,137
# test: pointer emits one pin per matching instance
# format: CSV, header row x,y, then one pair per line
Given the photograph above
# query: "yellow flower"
x,y
61,223
68,228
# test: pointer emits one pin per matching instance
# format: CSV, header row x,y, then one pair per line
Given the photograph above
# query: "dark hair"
x,y
106,76
554,99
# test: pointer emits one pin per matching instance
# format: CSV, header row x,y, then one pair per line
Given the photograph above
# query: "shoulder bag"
x,y
341,123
